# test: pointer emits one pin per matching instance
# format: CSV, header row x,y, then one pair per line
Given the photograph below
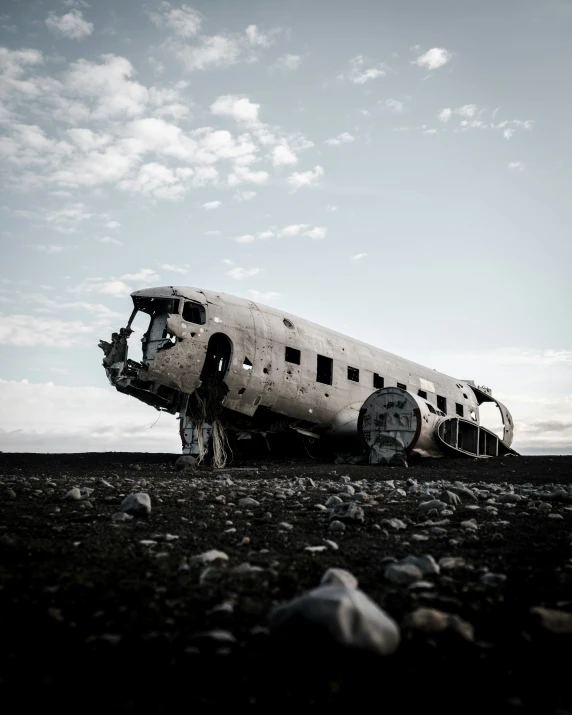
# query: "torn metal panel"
x,y
223,361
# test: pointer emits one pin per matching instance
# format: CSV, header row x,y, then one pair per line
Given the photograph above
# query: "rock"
x,y
185,462
331,544
448,563
10,494
285,526
208,557
337,526
449,497
430,621
395,524
246,568
334,501
559,622
426,564
493,579
509,498
349,512
470,524
340,577
403,574
120,516
248,501
347,489
73,494
138,504
336,614
430,505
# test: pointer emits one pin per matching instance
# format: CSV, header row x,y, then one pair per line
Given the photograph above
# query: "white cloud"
x,y
113,224
114,241
429,131
247,238
359,73
173,269
240,274
394,105
213,51
259,39
293,230
240,108
265,234
145,275
289,62
184,21
434,58
258,295
282,155
244,195
330,208
317,233
445,114
343,138
113,422
47,248
71,25
242,174
117,289
358,256
30,331
68,218
297,180
516,166
210,205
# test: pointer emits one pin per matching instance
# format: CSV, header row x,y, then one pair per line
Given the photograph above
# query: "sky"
x,y
399,172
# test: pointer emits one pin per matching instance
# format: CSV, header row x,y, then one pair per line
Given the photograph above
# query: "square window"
x,y
459,409
324,370
353,374
442,403
378,381
402,386
292,355
422,394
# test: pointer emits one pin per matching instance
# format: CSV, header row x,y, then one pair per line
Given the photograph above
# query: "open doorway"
x,y
218,358
490,417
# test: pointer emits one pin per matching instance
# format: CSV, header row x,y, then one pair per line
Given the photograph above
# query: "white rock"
x,y
73,494
343,615
120,516
340,577
138,504
403,574
248,501
208,557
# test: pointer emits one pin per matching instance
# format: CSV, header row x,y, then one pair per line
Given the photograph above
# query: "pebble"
x,y
395,524
74,494
248,501
331,544
339,577
209,557
432,504
553,620
448,563
336,613
426,564
403,574
334,501
493,579
121,516
138,504
431,621
338,526
348,513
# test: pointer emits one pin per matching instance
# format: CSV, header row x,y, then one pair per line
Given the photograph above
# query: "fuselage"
x,y
275,364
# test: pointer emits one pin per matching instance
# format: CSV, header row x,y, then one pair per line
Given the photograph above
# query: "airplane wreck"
x,y
233,369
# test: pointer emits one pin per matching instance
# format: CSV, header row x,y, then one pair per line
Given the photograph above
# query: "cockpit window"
x,y
194,313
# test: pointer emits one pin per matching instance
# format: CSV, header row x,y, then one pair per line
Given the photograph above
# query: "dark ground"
x,y
93,620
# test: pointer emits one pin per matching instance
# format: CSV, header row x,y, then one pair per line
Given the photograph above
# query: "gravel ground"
x,y
177,608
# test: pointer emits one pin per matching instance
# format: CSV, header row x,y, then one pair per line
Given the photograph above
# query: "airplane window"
x,y
194,313
353,374
247,365
459,409
422,394
292,355
442,403
402,386
378,381
325,369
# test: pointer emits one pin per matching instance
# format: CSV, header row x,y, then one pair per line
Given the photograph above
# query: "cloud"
x,y
293,230
516,166
210,205
184,21
330,208
434,58
474,117
317,233
289,62
301,229
47,248
445,114
260,39
173,269
258,295
343,138
358,256
394,105
29,331
298,180
109,240
247,238
71,25
242,174
359,73
265,234
240,274
428,131
282,155
240,108
113,421
145,275
244,195
113,224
